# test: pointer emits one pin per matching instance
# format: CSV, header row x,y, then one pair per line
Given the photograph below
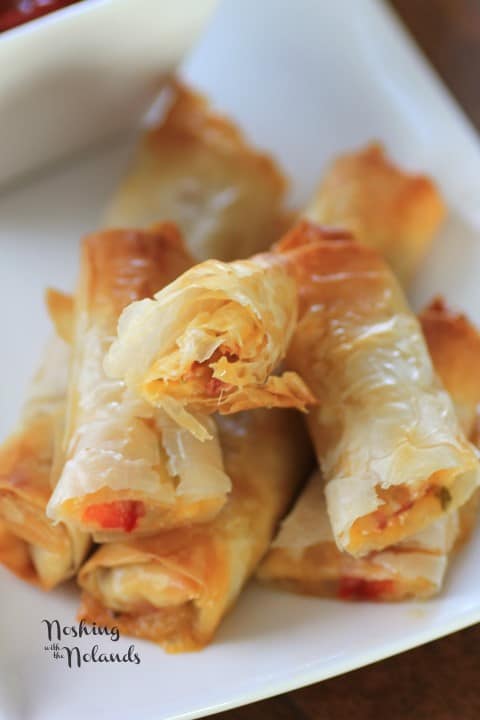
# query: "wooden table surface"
x,y
441,680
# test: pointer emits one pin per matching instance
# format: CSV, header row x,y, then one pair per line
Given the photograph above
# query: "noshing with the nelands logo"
x,y
75,656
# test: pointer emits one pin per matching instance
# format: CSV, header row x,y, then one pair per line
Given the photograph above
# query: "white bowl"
x,y
86,72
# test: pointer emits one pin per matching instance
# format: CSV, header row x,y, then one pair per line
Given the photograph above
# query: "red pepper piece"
x,y
351,588
118,515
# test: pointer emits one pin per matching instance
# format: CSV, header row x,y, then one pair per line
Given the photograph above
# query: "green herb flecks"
x,y
444,496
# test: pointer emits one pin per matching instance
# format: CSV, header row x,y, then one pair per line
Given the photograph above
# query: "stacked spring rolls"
x,y
385,431
168,431
393,454
175,587
399,474
190,147
304,556
125,471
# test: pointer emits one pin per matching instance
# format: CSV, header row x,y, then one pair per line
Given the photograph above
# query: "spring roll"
x,y
393,455
362,353
210,340
30,544
381,407
385,208
194,167
364,192
126,467
175,588
304,557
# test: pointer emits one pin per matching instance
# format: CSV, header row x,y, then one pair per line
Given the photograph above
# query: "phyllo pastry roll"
x,y
31,545
175,588
304,557
126,467
210,341
393,455
384,207
195,168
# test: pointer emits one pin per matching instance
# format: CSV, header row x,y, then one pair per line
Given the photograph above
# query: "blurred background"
x,y
448,31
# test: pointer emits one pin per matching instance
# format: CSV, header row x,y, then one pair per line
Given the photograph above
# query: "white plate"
x,y
307,80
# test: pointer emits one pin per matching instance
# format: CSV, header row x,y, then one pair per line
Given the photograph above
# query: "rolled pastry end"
x,y
414,568
402,512
25,461
33,563
212,340
110,514
31,545
305,559
166,589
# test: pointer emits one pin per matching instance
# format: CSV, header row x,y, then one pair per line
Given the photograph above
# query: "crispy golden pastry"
x,y
392,211
194,167
126,467
304,557
391,450
31,545
60,309
175,588
210,340
454,344
16,557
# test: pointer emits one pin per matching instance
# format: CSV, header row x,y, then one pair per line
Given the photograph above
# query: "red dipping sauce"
x,y
17,12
